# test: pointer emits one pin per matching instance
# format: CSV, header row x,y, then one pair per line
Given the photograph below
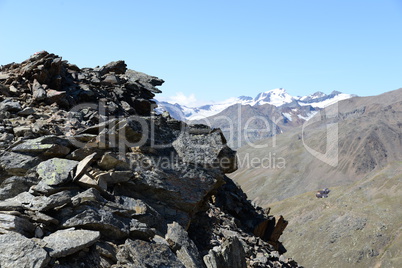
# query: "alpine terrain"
x,y
353,148
90,176
244,120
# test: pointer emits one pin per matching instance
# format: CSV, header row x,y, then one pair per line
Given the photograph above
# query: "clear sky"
x,y
211,50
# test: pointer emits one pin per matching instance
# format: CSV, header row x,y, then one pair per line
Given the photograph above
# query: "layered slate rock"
x,y
66,242
142,254
18,251
56,171
90,176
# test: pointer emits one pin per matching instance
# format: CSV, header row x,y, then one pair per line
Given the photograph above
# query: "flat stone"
x,y
16,224
26,111
84,164
96,217
15,185
26,200
17,164
38,148
23,131
142,254
66,242
110,161
115,177
56,171
18,251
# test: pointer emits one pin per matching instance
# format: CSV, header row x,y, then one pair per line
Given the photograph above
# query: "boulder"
x,y
17,164
142,254
10,106
56,171
117,67
205,147
229,254
66,242
15,185
26,200
183,246
38,93
9,222
18,251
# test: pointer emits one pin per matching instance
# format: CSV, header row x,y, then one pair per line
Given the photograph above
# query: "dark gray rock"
x,y
183,246
4,90
19,251
10,106
17,164
96,217
110,161
66,242
49,146
117,67
56,171
229,254
26,200
9,222
38,93
15,185
205,147
142,254
26,111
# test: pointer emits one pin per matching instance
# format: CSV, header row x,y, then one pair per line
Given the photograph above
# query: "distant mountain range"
x,y
244,119
276,97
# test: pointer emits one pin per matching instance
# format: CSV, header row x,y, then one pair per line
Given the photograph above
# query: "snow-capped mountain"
x,y
276,97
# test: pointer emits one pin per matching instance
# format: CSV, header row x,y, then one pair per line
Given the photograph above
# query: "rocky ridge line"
x,y
91,176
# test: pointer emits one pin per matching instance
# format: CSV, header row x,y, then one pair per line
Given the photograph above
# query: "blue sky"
x,y
212,50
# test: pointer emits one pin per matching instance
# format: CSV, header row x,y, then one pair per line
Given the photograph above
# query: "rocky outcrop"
x,y
91,177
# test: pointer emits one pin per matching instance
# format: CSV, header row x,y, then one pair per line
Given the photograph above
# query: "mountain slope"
x,y
369,137
358,225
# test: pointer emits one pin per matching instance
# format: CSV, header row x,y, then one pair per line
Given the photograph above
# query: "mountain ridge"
x,y
276,97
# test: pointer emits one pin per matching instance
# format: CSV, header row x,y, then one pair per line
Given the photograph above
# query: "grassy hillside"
x,y
358,225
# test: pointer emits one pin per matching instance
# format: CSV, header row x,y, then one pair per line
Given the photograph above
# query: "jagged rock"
x,y
4,90
96,217
15,185
84,164
66,242
142,254
90,180
23,131
115,177
38,93
17,164
19,251
10,106
110,161
230,254
26,111
49,146
117,67
15,223
183,246
56,171
26,200
90,195
207,147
